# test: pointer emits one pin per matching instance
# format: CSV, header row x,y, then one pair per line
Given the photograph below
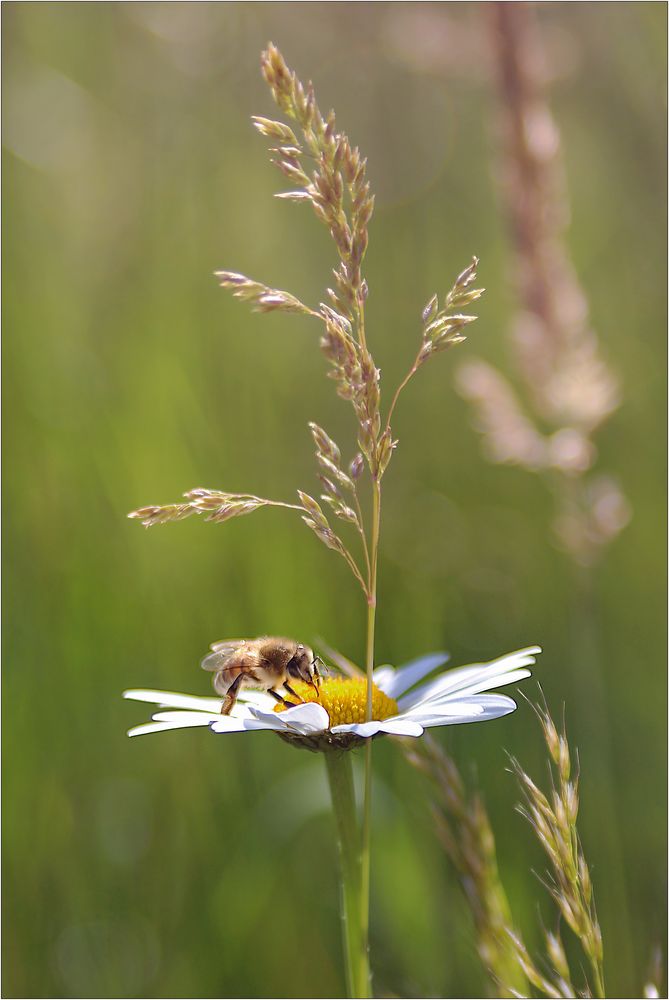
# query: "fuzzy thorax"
x,y
345,699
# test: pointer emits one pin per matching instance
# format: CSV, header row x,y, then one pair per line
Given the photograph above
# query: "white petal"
x,y
476,709
382,676
395,726
401,727
474,677
150,727
484,683
303,719
396,683
232,724
186,721
172,699
359,728
187,718
447,709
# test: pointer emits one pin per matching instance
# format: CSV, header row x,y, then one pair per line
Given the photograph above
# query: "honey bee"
x,y
267,663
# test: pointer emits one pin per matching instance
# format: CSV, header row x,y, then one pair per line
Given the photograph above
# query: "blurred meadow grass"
x,y
185,867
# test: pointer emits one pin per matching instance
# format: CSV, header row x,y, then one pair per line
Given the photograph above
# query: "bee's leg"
x,y
231,695
282,701
294,693
317,673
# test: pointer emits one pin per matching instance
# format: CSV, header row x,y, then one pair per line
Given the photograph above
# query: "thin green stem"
x,y
354,568
280,503
371,590
363,536
407,378
365,855
340,777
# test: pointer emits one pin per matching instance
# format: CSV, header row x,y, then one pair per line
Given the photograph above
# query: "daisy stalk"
x,y
356,953
339,713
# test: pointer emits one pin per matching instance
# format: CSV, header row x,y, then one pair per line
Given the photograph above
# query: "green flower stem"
x,y
365,857
340,777
365,854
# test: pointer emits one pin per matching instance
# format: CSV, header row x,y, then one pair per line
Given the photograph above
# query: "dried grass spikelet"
x,y
553,817
333,478
336,187
442,327
214,504
262,297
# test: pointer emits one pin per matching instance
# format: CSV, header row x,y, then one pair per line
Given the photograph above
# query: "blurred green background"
x,y
184,865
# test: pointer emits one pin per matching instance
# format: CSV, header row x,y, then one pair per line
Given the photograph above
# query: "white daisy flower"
x,y
334,715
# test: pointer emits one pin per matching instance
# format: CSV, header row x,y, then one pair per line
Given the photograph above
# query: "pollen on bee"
x,y
344,699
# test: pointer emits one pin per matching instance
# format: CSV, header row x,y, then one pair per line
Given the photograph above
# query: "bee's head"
x,y
303,666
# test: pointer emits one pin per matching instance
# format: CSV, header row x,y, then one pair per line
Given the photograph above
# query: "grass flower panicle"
x,y
327,171
552,817
330,173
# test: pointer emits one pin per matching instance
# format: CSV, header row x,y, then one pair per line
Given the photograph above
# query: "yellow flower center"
x,y
344,699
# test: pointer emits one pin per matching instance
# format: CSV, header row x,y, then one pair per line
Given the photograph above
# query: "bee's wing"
x,y
215,661
222,652
228,645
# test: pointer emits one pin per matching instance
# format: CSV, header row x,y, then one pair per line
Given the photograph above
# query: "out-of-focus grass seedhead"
x,y
569,388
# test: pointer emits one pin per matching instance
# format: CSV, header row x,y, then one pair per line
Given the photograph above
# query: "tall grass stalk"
x,y
328,173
